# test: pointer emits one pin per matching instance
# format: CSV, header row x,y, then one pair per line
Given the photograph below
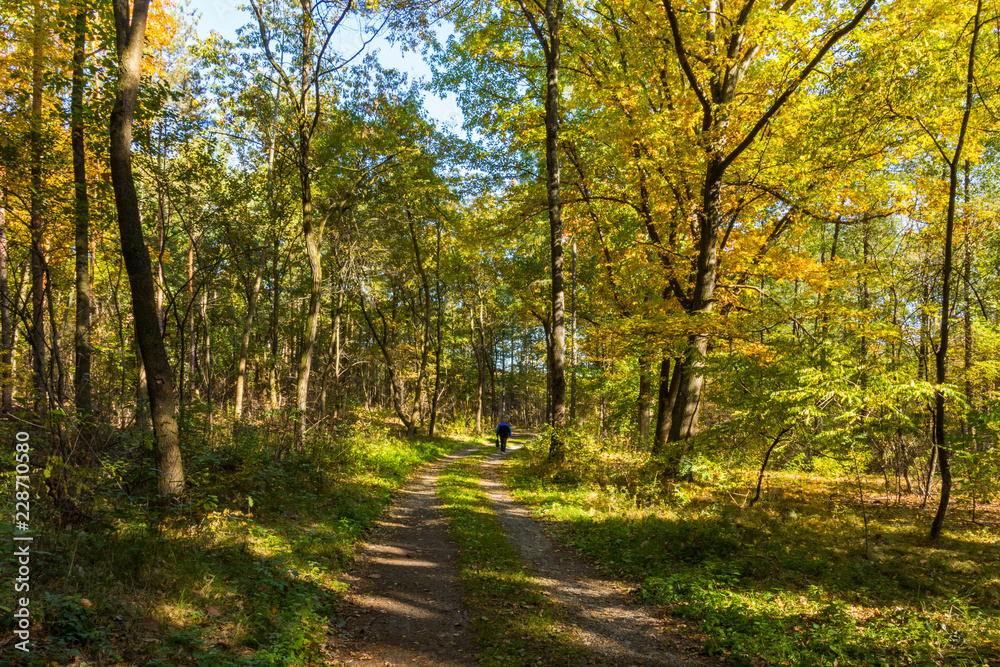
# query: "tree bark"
x,y
967,307
6,376
245,340
82,333
572,362
425,345
37,335
549,38
643,403
669,385
941,353
440,342
130,32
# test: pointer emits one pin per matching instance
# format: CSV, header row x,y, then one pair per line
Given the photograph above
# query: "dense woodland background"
x,y
723,235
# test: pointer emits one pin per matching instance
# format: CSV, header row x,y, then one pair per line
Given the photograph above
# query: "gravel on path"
x,y
405,605
600,615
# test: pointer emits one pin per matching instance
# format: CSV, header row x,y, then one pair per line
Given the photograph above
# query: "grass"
x,y
787,582
245,573
514,622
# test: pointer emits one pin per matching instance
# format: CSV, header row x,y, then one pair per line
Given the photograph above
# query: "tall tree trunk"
x,y
684,420
6,376
572,362
967,305
245,341
480,372
275,354
425,345
941,354
337,353
666,396
192,351
81,338
129,36
313,238
549,38
643,403
37,252
440,342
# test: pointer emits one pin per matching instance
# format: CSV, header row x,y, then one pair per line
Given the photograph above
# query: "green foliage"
x,y
244,572
786,583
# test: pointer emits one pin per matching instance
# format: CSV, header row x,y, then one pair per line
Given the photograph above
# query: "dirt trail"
x,y
405,605
598,613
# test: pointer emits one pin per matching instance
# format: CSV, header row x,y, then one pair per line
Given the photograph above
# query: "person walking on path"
x,y
503,432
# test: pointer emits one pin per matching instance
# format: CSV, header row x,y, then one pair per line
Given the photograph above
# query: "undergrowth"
x,y
242,572
789,582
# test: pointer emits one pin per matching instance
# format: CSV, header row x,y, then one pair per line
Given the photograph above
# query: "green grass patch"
x,y
243,573
786,582
514,622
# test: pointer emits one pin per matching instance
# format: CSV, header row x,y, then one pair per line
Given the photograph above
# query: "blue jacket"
x,y
504,430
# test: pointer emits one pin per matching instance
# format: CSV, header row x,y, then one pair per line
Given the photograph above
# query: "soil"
x,y
405,605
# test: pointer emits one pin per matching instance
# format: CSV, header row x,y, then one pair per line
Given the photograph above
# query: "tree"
x,y
82,333
547,29
941,352
130,30
313,28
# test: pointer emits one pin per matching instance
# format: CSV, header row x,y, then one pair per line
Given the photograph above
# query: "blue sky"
x,y
224,17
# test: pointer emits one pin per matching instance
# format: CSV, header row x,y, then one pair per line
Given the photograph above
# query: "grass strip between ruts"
x,y
514,622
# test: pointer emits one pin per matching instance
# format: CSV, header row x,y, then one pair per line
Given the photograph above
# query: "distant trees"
x,y
755,257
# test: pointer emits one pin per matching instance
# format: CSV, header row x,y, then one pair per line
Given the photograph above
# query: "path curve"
x,y
405,605
599,614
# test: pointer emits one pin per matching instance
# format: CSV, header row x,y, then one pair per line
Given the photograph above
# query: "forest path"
x,y
406,607
600,615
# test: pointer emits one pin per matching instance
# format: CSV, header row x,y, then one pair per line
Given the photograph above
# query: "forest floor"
x,y
418,598
376,549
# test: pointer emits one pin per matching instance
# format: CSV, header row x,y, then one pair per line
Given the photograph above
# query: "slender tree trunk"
x,y
130,33
161,247
549,38
425,345
82,333
643,403
6,376
337,354
572,363
480,373
192,351
245,341
967,305
275,354
37,252
669,385
208,364
57,378
312,241
941,354
440,341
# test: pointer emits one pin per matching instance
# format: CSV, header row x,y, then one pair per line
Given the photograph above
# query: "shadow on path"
x,y
599,614
405,606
